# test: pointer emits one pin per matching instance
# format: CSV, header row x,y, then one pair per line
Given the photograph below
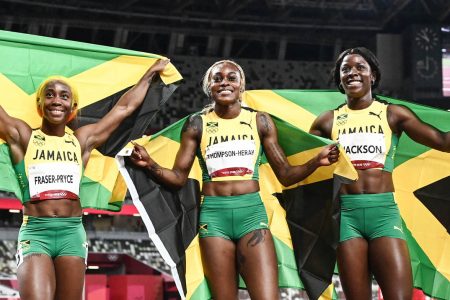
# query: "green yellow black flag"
x,y
421,179
101,74
173,224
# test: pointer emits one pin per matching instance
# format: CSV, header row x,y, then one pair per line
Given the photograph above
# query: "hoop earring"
x,y
341,87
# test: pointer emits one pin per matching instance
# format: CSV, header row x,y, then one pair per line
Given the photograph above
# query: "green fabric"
x,y
425,276
25,55
93,195
8,180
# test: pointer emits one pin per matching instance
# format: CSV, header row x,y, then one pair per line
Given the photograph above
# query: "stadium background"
x,y
281,44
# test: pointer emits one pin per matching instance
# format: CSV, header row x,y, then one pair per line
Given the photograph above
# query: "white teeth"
x,y
226,92
56,112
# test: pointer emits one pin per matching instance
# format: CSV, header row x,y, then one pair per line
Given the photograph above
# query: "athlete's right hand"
x,y
140,156
329,155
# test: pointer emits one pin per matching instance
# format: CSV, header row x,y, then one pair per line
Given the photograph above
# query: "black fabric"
x,y
132,127
174,214
313,216
436,198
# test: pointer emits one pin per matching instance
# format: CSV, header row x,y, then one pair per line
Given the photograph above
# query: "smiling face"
x,y
356,76
57,102
225,83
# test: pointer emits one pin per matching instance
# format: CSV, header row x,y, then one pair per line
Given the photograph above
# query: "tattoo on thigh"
x,y
257,237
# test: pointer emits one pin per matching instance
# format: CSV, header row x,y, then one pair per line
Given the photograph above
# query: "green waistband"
x,y
238,201
51,222
367,200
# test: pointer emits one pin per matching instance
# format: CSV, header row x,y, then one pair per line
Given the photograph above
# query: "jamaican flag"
x,y
172,217
101,74
421,179
420,176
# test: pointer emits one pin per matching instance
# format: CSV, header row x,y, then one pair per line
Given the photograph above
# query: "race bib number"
x,y
54,181
233,158
365,150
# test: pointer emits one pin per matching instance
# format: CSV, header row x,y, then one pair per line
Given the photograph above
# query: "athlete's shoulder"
x,y
195,118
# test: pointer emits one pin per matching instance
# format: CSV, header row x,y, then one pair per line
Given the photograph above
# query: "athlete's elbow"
x,y
128,104
131,107
285,180
177,182
447,144
444,147
175,186
285,175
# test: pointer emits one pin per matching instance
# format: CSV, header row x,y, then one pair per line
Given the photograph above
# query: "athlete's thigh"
x,y
70,272
354,272
219,264
391,265
257,263
36,277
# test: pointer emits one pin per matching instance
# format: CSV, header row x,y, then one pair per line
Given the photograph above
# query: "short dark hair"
x,y
367,55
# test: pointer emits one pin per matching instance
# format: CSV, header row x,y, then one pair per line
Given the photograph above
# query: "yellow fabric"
x,y
93,84
432,237
284,109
